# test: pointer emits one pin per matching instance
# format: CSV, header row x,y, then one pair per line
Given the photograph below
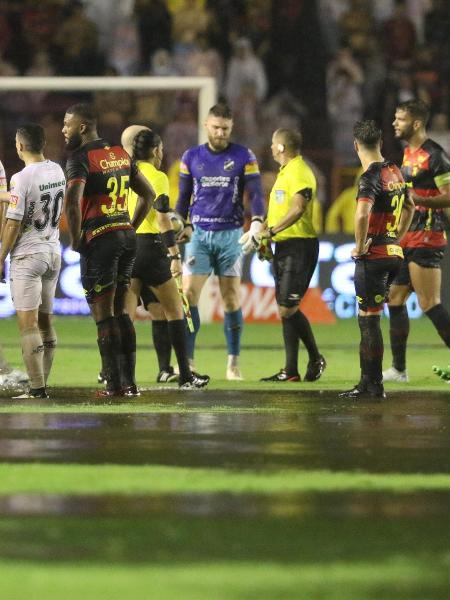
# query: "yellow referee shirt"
x,y
160,183
292,178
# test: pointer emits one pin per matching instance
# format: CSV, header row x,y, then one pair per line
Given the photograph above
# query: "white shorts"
x,y
33,279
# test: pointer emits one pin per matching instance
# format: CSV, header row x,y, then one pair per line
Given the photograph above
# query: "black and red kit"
x,y
383,186
426,170
106,171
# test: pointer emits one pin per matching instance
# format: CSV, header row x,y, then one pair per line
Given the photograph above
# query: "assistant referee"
x,y
289,225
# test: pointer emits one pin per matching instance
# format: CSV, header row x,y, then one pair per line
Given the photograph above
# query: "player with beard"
x,y
213,179
98,178
426,169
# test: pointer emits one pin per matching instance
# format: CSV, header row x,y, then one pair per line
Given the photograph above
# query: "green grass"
x,y
111,479
77,361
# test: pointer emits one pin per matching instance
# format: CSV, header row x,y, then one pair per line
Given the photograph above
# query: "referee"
x,y
289,225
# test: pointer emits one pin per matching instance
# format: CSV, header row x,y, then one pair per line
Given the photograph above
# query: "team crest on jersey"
x,y
228,165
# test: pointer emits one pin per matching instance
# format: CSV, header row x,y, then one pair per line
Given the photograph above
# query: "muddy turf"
x,y
227,494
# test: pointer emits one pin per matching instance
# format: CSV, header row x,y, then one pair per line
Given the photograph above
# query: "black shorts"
x,y
372,281
147,296
152,266
294,263
107,262
429,258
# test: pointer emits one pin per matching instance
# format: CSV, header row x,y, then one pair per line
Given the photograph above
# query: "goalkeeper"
x,y
213,179
289,225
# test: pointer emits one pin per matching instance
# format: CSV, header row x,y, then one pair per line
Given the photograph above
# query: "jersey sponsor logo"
x,y
114,163
395,185
219,181
279,196
228,165
49,186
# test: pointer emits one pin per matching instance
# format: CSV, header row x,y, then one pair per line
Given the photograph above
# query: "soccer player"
x,y
213,179
31,235
384,212
426,169
98,179
289,225
158,259
9,377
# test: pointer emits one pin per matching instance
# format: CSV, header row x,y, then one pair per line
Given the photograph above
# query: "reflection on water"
x,y
319,433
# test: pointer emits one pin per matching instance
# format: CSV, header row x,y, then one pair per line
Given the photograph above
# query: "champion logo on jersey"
x,y
228,165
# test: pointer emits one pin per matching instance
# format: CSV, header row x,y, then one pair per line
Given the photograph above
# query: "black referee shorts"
x,y
151,266
106,262
373,277
294,263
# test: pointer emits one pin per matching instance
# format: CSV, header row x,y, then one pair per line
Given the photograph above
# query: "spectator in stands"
x,y
154,22
245,70
399,36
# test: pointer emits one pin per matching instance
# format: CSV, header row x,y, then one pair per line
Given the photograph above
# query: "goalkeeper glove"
x,y
250,241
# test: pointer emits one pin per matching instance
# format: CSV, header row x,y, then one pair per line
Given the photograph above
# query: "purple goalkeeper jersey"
x,y
213,183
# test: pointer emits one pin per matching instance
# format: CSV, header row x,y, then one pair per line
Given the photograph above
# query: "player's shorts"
x,y
294,263
107,262
428,258
214,251
33,280
372,281
152,267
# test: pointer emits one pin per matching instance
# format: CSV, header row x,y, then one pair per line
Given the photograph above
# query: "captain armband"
x,y
162,203
168,237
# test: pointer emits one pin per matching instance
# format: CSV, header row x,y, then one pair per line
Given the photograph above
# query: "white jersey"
x,y
37,196
3,186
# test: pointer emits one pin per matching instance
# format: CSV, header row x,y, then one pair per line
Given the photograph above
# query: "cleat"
x,y
195,383
393,374
315,369
108,393
132,391
365,391
13,379
101,378
234,373
32,393
167,376
282,376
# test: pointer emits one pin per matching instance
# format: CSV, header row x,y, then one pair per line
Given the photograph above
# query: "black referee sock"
x,y
109,344
441,320
291,342
371,349
398,332
161,343
306,335
128,346
177,335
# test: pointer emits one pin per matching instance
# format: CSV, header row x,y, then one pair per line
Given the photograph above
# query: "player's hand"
x,y
251,240
355,253
185,235
176,268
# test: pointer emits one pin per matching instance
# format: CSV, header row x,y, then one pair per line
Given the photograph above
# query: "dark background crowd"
x,y
315,64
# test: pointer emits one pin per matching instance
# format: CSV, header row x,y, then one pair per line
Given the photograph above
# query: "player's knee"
x,y
427,302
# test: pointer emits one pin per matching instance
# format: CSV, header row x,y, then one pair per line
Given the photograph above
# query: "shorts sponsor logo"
x,y
379,299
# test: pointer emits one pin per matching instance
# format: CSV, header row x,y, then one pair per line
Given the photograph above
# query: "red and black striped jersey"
x,y
425,170
383,186
106,171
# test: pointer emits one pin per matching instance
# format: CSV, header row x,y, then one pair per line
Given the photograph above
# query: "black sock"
x,y
306,335
291,340
441,320
177,335
371,349
399,332
128,345
109,344
161,343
